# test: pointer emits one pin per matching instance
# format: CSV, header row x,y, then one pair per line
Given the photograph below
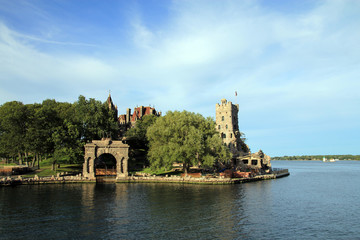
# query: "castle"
x,y
227,124
128,120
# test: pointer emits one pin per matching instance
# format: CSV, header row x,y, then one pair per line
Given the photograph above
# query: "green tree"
x,y
139,144
95,119
186,138
44,119
54,128
136,136
13,129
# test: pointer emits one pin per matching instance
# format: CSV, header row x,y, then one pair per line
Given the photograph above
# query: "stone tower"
x,y
227,124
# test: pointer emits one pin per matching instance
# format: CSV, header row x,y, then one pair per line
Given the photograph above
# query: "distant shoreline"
x,y
312,160
348,157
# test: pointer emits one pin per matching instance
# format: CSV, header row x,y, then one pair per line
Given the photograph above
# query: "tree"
x,y
139,144
13,129
95,119
136,136
54,128
186,138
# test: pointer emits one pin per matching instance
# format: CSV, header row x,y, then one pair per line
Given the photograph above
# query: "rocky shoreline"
x,y
10,181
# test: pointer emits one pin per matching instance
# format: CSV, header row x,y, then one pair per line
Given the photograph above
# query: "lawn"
x,y
160,172
46,169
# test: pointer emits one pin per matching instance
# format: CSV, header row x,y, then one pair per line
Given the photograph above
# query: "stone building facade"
x,y
128,120
227,124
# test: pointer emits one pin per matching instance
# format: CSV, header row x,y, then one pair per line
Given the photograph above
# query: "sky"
x,y
295,65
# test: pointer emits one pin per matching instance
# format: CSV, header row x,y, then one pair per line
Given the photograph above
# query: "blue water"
x,y
317,201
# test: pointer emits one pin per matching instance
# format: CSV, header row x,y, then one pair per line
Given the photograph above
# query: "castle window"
x,y
226,126
223,135
254,162
230,135
219,127
222,118
245,161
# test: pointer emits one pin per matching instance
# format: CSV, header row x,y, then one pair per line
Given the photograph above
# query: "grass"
x,y
7,164
160,172
46,169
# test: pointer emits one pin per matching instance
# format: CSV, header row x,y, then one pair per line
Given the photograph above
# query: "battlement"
x,y
226,105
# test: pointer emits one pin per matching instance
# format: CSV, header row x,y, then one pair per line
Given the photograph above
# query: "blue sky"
x,y
294,64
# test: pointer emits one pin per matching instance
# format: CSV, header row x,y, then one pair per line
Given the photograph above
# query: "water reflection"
x,y
162,211
319,201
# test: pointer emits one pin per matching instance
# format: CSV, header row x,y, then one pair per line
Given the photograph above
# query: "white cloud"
x,y
290,70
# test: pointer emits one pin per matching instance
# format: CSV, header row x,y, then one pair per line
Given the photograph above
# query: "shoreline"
x,y
9,181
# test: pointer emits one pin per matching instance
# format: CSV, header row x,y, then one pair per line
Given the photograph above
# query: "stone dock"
x,y
204,180
11,181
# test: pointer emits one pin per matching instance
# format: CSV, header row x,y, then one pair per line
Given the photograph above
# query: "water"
x,y
317,201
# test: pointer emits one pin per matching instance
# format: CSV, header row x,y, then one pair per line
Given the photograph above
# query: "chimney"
x,y
128,115
141,111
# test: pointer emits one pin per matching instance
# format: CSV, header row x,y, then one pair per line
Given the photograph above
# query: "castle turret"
x,y
112,106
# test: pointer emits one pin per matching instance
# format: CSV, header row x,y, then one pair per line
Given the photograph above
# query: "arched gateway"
x,y
95,149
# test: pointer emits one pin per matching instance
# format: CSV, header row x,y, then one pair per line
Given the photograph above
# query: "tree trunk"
x,y
20,159
33,161
53,166
38,163
185,169
26,159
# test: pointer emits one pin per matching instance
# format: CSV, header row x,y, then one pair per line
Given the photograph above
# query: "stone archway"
x,y
105,165
96,148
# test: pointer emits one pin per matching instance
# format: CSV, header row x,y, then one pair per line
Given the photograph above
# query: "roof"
x,y
142,111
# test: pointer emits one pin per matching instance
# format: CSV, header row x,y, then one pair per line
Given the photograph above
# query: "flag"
x,y
235,93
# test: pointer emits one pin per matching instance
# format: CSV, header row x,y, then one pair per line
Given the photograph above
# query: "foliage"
x,y
187,138
94,119
136,137
139,144
53,128
12,128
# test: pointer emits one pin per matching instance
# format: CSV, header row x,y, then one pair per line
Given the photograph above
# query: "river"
x,y
317,201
